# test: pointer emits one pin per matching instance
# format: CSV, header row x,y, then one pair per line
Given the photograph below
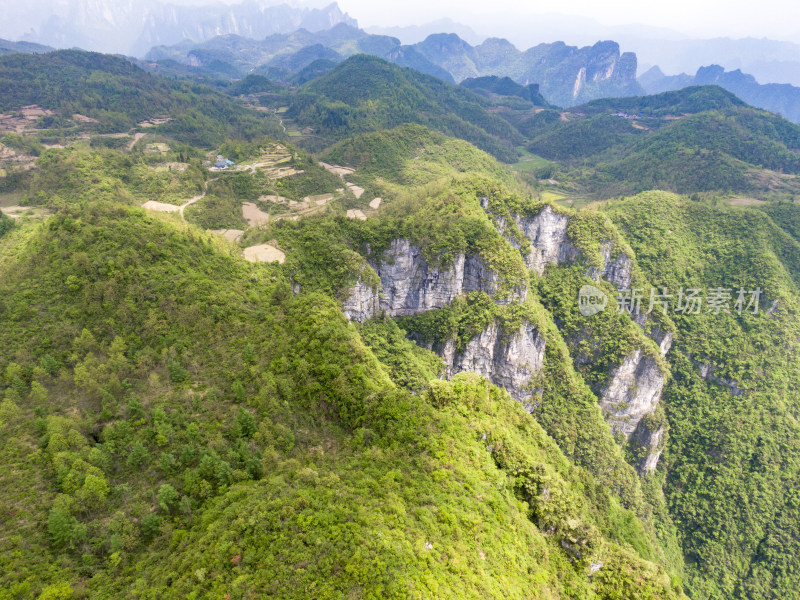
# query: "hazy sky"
x,y
701,18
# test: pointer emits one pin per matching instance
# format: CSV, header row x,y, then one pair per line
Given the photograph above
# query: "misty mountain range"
x,y
567,75
292,44
769,61
780,98
132,27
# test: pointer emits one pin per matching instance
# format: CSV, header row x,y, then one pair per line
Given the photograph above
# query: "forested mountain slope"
x,y
693,140
115,95
365,93
231,368
241,418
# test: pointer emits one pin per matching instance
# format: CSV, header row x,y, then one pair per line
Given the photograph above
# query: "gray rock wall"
x,y
633,391
409,285
507,361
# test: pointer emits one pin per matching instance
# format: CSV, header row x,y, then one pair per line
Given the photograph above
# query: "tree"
x,y
58,591
95,490
151,525
167,496
59,526
244,425
138,456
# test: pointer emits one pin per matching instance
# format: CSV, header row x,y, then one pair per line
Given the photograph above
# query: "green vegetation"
x,y
245,419
176,422
411,155
731,464
583,138
505,87
700,139
365,93
689,100
6,223
80,174
118,95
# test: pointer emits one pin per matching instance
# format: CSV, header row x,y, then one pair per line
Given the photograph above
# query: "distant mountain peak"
x,y
781,98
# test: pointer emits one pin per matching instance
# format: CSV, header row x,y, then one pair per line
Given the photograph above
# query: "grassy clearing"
x,y
11,198
529,162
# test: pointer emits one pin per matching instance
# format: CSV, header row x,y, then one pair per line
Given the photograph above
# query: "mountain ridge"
x,y
780,98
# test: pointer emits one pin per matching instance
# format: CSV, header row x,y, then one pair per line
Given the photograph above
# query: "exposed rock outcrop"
x,y
652,444
547,231
510,361
409,285
616,271
629,402
662,338
568,75
634,391
362,302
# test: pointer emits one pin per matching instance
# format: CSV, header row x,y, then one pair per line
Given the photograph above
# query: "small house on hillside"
x,y
223,163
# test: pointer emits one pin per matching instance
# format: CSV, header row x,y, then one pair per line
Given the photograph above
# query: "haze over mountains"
x,y
780,98
133,27
567,75
267,34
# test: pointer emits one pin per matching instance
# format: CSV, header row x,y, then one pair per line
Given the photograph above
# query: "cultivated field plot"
x,y
275,163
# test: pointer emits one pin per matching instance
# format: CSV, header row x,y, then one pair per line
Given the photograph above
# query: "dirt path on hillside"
x,y
163,207
190,202
136,138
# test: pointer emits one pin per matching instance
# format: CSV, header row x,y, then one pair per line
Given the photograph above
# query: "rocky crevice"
x,y
511,361
632,394
651,442
547,232
706,371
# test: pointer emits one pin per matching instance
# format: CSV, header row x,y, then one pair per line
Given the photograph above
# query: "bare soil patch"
x,y
16,212
264,253
338,170
232,235
254,216
155,121
355,213
358,191
161,206
742,201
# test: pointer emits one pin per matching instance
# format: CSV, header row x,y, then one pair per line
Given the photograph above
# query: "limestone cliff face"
x,y
652,441
547,231
509,361
568,75
362,302
409,285
616,271
633,391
